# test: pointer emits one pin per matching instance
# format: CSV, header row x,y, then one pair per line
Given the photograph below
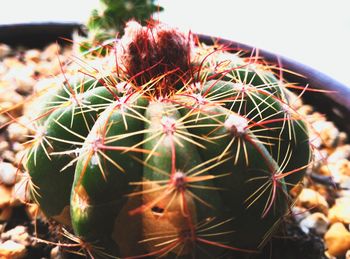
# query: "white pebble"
x,y
50,52
342,152
300,213
345,183
21,77
8,155
13,250
18,131
327,132
18,234
32,55
56,253
7,173
5,50
317,222
347,255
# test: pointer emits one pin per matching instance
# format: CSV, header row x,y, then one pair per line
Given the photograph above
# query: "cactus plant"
x,y
109,19
183,150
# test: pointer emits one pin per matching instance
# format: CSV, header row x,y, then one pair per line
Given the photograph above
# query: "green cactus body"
x,y
194,160
61,132
255,155
103,175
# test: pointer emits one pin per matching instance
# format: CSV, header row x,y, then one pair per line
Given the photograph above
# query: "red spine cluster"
x,y
153,52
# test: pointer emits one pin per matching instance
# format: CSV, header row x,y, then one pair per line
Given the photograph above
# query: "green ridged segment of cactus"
x,y
184,151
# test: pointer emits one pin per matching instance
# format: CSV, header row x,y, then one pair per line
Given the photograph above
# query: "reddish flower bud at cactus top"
x,y
150,52
182,150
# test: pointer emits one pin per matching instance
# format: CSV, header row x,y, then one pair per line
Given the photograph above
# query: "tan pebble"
x,y
16,146
3,69
18,131
319,158
9,97
56,253
316,221
8,155
33,211
337,170
45,84
345,183
18,234
8,173
325,170
344,193
311,199
10,62
5,50
46,68
5,196
315,141
5,86
305,109
343,138
19,157
32,55
24,80
340,212
10,249
5,214
343,167
316,116
337,239
329,256
321,189
6,202
50,52
4,145
296,190
327,132
3,119
341,152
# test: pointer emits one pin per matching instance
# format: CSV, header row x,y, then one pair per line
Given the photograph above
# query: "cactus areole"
x,y
182,150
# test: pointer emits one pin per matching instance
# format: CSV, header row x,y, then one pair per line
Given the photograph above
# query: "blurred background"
x,y
313,32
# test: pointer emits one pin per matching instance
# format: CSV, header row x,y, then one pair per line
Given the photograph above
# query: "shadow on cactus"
x,y
180,150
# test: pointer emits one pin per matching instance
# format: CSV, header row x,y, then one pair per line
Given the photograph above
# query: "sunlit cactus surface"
x,y
168,147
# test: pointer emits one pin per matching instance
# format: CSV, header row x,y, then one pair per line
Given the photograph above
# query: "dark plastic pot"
x,y
36,35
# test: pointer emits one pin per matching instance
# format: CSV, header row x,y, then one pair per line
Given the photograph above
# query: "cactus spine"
x,y
184,150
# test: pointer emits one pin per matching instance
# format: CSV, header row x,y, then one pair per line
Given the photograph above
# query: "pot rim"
x,y
37,34
335,102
